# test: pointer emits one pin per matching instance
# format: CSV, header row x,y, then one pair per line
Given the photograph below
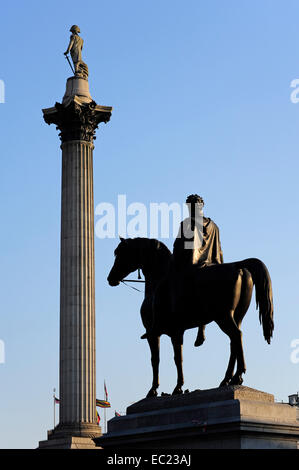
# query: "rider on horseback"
x,y
197,243
192,288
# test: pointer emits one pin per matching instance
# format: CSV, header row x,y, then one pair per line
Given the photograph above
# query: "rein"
x,y
128,280
134,280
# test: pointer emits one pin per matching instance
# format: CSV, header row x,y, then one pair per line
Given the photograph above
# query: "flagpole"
x,y
106,398
54,390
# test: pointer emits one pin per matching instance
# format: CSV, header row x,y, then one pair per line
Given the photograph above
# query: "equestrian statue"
x,y
193,287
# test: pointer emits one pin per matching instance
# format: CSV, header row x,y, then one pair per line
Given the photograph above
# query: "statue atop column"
x,y
75,48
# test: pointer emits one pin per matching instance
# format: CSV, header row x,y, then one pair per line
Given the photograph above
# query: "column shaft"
x,y
77,292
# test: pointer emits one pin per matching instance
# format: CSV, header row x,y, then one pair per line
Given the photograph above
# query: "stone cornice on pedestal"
x,y
232,417
77,119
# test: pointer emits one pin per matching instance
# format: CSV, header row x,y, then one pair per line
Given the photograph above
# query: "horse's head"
x,y
126,261
150,255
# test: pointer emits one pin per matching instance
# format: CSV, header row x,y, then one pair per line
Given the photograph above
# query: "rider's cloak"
x,y
197,244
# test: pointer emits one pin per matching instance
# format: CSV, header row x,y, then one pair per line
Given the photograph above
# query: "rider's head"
x,y
195,204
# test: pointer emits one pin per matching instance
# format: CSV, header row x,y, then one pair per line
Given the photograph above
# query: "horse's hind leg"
x,y
246,294
231,366
245,299
229,327
238,315
177,343
154,344
241,367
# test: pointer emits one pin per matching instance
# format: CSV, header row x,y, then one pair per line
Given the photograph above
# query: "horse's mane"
x,y
154,244
155,253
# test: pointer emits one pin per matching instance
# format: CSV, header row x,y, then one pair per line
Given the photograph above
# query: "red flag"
x,y
98,417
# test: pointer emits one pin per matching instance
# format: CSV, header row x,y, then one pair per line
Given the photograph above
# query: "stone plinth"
x,y
223,418
68,442
79,87
77,118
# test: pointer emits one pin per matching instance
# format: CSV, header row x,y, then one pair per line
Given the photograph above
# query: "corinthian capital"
x,y
77,120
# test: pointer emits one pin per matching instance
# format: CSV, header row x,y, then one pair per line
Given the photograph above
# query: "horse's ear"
x,y
121,238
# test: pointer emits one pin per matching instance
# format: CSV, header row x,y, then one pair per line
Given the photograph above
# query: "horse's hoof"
x,y
152,393
225,383
177,391
236,380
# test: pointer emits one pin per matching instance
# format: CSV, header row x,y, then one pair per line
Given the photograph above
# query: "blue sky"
x,y
201,103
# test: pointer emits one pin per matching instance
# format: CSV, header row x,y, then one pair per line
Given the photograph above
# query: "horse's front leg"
x,y
154,344
177,343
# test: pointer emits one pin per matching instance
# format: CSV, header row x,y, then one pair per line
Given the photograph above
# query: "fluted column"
x,y
77,296
77,118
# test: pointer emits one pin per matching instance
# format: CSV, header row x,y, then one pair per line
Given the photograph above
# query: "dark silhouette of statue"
x,y
197,243
217,292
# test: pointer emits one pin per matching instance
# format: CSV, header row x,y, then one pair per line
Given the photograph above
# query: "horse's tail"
x,y
263,293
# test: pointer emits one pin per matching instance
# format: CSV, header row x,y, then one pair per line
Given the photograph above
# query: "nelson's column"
x,y
77,119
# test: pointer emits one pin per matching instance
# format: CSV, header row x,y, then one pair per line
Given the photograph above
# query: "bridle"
x,y
124,281
134,280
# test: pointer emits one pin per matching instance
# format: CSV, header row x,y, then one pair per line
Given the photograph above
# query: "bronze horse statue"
x,y
174,302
